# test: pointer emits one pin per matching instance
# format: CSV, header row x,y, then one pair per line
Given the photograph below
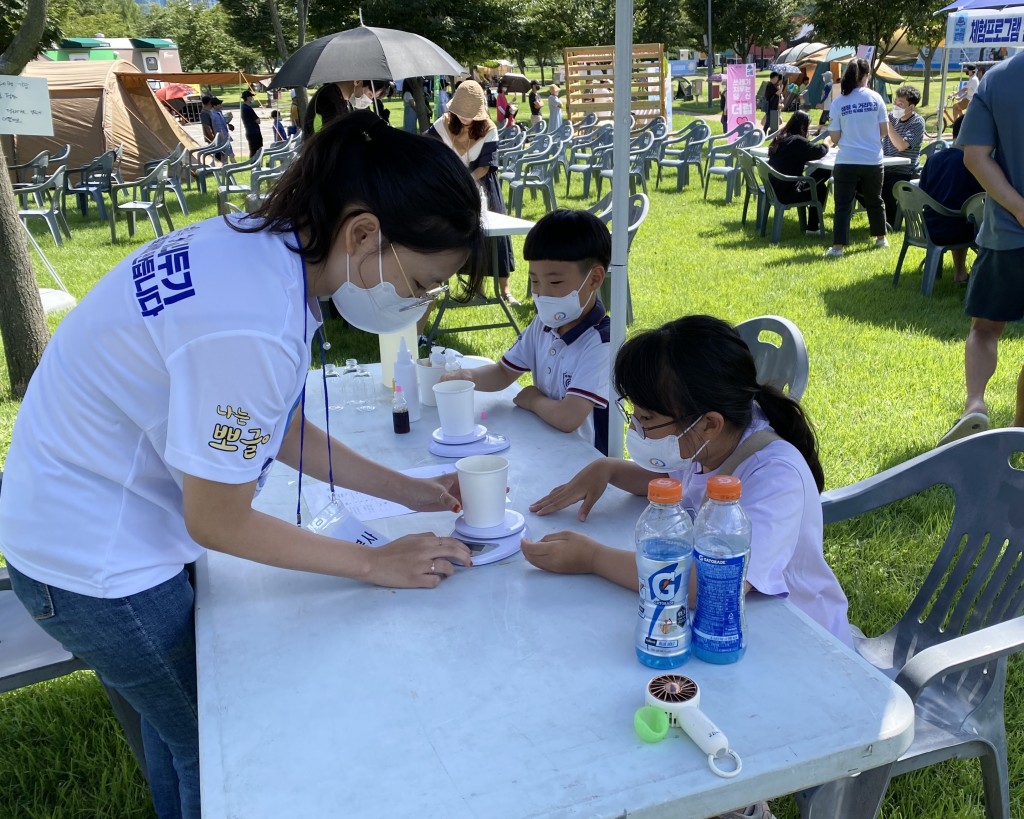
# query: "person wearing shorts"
x,y
995,293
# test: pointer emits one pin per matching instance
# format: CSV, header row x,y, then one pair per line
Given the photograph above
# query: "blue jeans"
x,y
143,646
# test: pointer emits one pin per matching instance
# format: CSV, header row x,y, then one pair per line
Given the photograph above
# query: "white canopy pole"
x,y
941,118
620,197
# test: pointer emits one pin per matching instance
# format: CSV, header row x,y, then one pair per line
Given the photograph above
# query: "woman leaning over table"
x,y
468,130
186,366
858,126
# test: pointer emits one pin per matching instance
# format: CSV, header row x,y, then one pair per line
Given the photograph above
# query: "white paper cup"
x,y
455,407
427,377
483,480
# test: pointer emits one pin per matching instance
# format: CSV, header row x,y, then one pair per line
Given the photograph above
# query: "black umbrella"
x,y
515,83
365,53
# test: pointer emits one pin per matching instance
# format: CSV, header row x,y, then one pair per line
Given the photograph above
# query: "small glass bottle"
x,y
400,411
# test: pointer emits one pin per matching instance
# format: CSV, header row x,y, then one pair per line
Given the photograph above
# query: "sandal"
x,y
969,424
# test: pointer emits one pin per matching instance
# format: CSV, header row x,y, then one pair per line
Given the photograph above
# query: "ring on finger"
x,y
432,567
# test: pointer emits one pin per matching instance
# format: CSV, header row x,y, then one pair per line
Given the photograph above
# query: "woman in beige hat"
x,y
554,108
468,130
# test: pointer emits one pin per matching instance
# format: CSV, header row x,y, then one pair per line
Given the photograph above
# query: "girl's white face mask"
x,y
378,309
661,454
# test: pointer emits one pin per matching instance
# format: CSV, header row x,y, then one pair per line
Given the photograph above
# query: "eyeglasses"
x,y
427,298
631,419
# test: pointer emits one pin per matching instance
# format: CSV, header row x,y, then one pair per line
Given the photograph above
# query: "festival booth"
x,y
979,28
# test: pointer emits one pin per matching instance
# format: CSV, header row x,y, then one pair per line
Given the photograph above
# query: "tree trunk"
x,y
415,86
302,10
926,55
275,21
22,321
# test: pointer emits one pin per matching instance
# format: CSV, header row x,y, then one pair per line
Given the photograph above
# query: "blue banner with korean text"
x,y
971,29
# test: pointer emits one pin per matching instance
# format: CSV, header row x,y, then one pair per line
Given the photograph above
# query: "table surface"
x,y
507,691
829,160
501,224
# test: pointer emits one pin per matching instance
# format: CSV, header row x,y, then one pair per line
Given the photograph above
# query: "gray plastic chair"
x,y
51,211
720,149
781,365
745,162
973,210
639,207
772,203
690,155
949,649
151,185
913,201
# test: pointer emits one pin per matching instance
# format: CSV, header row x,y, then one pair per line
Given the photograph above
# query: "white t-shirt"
x,y
575,363
971,87
188,357
857,116
782,501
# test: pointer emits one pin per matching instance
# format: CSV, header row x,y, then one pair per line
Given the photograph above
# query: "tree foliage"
x,y
110,18
13,12
739,24
204,43
880,23
250,24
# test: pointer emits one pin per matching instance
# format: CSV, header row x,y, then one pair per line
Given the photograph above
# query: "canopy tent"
x,y
995,26
98,105
208,77
798,52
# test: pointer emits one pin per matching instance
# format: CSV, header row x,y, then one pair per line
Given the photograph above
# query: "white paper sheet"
x,y
362,506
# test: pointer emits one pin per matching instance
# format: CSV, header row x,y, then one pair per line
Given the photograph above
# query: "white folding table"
x,y
507,691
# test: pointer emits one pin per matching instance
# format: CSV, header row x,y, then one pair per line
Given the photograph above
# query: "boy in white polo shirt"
x,y
566,345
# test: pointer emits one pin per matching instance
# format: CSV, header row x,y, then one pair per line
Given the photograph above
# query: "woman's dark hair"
x,y
570,236
477,129
502,88
418,189
700,364
909,93
798,125
854,75
329,103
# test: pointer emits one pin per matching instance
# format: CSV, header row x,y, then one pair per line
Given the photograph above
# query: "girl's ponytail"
x,y
790,423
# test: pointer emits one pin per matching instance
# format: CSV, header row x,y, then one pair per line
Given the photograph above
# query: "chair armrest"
x,y
24,188
962,652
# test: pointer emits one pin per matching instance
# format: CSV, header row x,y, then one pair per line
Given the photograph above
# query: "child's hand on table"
x,y
562,552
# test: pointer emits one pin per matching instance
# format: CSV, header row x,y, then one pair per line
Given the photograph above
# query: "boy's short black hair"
x,y
569,236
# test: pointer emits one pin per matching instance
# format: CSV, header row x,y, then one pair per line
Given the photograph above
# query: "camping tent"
x,y
98,105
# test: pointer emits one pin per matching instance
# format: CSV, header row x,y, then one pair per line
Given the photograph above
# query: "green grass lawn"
x,y
886,382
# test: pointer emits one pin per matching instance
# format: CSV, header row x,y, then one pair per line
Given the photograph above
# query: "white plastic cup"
x,y
427,377
483,480
455,407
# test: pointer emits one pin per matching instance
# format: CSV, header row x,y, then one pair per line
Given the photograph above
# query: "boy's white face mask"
x,y
557,311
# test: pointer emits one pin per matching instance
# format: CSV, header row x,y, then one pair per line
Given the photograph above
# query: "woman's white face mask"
x,y
661,454
378,309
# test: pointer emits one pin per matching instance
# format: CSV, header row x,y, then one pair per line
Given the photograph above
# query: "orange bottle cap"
x,y
664,490
724,488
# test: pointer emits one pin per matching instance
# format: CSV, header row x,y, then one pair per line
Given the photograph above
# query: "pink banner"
x,y
740,95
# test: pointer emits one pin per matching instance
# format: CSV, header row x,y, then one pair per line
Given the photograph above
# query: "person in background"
x,y
554,108
826,98
770,124
444,94
410,119
293,114
946,179
789,153
536,106
362,97
327,105
468,130
197,391
990,137
251,123
966,94
222,126
501,105
723,104
566,347
858,125
904,138
277,127
206,120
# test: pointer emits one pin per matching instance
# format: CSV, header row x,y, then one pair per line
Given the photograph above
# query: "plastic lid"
x,y
665,490
398,389
724,488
